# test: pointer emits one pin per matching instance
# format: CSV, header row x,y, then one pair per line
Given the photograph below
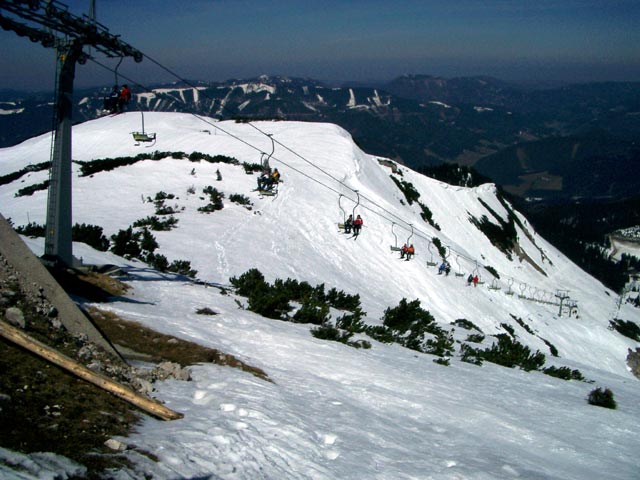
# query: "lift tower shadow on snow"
x,y
43,18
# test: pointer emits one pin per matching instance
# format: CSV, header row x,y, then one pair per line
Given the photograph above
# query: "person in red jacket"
x,y
404,250
410,252
357,225
124,98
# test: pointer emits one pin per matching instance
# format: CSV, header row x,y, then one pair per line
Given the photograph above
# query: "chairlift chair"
x,y
476,272
510,291
523,289
356,205
272,192
430,262
142,136
265,162
394,247
344,213
459,272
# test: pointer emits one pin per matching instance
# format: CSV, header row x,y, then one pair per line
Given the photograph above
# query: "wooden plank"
x,y
149,405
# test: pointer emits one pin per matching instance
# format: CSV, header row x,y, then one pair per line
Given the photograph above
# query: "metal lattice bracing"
x,y
37,20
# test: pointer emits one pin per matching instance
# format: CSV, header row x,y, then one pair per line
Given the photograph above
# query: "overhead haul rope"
x,y
417,233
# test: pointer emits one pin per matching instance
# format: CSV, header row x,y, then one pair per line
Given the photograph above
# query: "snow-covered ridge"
x,y
255,88
13,111
440,104
304,203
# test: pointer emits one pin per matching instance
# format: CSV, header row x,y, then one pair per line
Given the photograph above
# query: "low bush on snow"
x,y
602,398
626,328
506,352
564,373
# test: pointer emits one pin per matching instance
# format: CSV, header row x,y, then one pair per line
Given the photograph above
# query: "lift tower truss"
x,y
43,17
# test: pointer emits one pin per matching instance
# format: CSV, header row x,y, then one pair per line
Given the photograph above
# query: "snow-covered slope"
x,y
333,411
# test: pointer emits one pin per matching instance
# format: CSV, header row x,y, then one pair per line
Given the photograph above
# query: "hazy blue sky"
x,y
330,40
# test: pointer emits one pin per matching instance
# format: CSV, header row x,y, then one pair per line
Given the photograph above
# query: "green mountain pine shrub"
x,y
215,200
602,398
31,189
407,188
442,251
508,353
475,338
92,235
240,199
312,311
427,216
564,373
182,267
157,225
466,324
31,229
626,328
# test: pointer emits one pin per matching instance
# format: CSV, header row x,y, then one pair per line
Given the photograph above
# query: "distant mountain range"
x,y
562,143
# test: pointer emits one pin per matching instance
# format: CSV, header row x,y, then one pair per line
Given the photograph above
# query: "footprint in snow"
x,y
202,397
331,454
328,438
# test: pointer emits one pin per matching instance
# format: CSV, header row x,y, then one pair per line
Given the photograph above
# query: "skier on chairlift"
x,y
348,224
111,101
124,98
357,225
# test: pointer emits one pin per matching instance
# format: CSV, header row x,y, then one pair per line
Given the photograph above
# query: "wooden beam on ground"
x,y
149,405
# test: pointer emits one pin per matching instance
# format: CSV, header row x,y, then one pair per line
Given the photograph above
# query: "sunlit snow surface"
x,y
333,411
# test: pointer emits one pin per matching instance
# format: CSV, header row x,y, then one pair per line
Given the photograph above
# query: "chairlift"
x,y
344,213
394,247
143,136
459,272
115,71
430,262
523,288
536,294
494,285
356,205
409,237
265,162
476,272
272,192
510,291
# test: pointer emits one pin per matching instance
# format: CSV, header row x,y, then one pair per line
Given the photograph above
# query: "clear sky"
x,y
353,40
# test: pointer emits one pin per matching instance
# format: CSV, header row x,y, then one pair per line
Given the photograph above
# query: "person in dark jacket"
x,y
348,224
111,101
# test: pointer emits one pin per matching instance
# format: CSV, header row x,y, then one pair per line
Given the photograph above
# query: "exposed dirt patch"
x,y
161,347
43,408
93,286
